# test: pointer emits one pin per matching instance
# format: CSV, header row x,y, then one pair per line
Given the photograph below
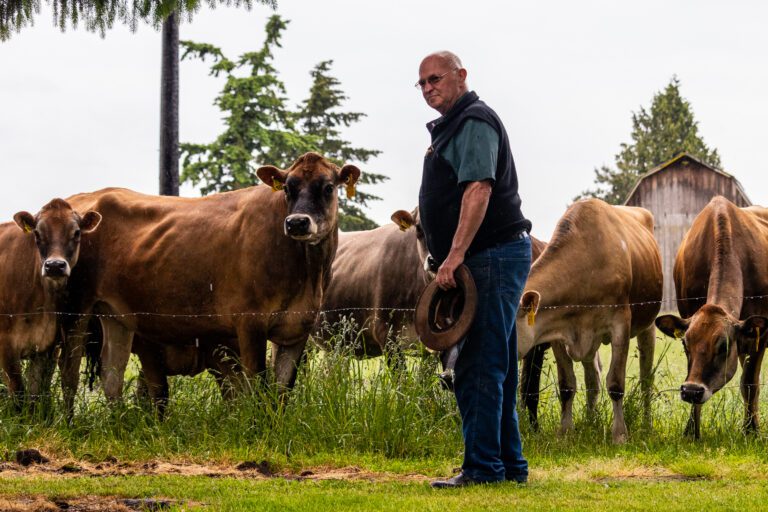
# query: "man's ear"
x,y
90,222
348,175
272,176
673,326
403,219
26,221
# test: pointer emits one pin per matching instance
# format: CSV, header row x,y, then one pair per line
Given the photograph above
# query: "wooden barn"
x,y
675,192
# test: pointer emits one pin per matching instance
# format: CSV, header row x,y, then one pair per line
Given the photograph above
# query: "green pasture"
x,y
345,412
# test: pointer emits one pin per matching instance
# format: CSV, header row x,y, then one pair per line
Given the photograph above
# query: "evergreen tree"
x,y
658,135
261,129
319,116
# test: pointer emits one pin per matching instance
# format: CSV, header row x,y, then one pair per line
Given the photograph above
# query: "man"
x,y
470,213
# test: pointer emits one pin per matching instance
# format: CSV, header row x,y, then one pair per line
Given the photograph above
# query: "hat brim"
x,y
441,338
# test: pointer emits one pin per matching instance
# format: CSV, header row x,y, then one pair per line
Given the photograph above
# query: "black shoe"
x,y
460,480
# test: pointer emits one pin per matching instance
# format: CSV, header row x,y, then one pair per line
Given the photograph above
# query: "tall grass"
x,y
344,408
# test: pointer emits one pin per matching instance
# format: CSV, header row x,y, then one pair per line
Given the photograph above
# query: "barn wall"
x,y
675,196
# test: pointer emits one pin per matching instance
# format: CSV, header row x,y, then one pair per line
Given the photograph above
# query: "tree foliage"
x,y
100,15
260,128
659,134
320,117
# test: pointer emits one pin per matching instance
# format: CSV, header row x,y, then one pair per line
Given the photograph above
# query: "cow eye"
x,y
329,188
77,234
722,347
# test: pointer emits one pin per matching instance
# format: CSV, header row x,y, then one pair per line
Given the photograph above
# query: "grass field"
x,y
353,434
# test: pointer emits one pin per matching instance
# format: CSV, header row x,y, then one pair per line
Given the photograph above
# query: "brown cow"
x,y
378,275
604,263
723,257
38,254
250,264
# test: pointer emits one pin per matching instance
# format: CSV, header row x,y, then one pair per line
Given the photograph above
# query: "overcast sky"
x,y
78,112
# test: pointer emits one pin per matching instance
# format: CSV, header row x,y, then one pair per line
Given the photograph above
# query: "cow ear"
x,y
90,222
753,327
403,219
529,303
272,176
348,175
25,221
673,326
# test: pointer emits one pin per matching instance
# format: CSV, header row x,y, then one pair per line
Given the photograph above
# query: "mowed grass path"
x,y
392,426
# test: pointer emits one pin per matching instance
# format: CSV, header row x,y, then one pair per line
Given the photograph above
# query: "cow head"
x,y
309,186
712,339
405,221
57,229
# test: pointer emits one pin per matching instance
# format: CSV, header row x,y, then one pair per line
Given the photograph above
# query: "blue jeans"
x,y
486,369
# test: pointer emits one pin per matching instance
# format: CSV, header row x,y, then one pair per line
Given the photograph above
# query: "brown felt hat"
x,y
443,317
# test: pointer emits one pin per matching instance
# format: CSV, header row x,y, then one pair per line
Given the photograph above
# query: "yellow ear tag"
x,y
404,225
531,317
757,340
679,333
27,228
276,185
350,190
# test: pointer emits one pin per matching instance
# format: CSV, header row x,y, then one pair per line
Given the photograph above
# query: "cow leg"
x,y
693,427
115,354
39,374
750,389
11,369
566,378
530,382
72,349
616,382
592,370
286,361
223,364
153,378
253,356
646,343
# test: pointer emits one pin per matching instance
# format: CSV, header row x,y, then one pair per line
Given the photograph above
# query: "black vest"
x,y
440,194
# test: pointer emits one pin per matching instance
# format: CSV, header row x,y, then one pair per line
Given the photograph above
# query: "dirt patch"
x,y
647,474
247,469
84,504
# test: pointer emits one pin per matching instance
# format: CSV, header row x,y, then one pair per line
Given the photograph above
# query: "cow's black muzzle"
x,y
692,393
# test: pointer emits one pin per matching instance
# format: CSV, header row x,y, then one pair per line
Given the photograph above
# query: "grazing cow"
x,y
250,265
38,253
722,291
604,263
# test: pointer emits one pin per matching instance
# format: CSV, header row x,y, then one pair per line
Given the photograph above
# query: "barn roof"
x,y
678,158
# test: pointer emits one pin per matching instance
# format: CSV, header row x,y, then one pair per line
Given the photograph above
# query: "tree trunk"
x,y
169,108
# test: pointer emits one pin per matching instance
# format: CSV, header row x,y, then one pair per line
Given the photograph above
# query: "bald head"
x,y
450,58
442,79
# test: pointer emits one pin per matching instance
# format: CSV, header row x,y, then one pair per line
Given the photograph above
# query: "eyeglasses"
x,y
433,80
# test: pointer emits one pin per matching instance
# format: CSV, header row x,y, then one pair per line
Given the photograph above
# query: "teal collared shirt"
x,y
473,152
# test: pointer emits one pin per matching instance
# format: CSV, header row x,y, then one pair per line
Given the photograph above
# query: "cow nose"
x,y
55,268
297,225
692,393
